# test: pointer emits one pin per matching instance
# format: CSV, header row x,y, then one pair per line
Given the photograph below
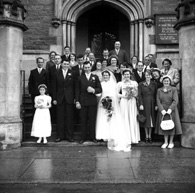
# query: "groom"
x,y
88,85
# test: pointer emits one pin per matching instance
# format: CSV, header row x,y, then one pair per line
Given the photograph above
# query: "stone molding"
x,y
185,13
12,13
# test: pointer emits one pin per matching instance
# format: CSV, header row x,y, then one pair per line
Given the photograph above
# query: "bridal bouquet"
x,y
107,105
40,102
130,92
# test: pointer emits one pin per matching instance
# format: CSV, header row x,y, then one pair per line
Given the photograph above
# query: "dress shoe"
x,y
39,141
58,140
171,145
94,141
81,141
164,145
150,140
146,140
71,140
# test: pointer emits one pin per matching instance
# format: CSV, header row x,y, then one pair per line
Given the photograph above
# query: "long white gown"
x,y
111,130
129,110
41,126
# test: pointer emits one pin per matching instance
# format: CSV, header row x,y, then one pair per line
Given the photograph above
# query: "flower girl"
x,y
41,126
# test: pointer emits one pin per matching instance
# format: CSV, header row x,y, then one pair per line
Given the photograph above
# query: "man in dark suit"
x,y
37,76
148,64
88,85
139,73
121,54
66,56
51,76
64,96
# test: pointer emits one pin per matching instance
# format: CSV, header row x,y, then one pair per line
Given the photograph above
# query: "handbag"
x,y
167,124
141,118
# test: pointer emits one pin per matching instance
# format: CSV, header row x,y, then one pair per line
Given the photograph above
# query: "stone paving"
x,y
90,166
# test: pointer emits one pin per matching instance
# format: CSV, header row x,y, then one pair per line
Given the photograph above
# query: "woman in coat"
x,y
167,100
147,103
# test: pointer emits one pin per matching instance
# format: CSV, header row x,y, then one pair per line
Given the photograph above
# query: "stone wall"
x,y
39,17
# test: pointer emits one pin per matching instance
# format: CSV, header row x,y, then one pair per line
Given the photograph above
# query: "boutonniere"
x,y
145,84
165,90
93,78
69,74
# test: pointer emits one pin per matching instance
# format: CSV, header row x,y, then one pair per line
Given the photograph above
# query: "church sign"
x,y
165,32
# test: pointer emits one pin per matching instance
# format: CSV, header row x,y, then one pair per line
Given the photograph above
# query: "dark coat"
x,y
168,100
35,79
82,96
139,79
122,56
147,98
51,76
64,87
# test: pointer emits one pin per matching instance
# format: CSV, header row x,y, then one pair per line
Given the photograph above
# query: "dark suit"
x,y
64,93
65,58
88,103
35,79
138,79
122,56
151,65
51,76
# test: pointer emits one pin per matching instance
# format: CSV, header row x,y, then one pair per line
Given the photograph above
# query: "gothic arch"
x,y
134,11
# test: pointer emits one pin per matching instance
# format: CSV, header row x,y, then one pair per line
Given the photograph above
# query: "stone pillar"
x,y
186,28
68,33
64,31
11,48
136,39
132,38
141,40
73,37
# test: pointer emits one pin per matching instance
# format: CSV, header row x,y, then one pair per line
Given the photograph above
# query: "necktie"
x,y
88,75
39,70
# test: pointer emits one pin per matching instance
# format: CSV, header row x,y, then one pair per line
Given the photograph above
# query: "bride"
x,y
109,123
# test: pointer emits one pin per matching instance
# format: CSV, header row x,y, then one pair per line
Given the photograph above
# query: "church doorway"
x,y
99,28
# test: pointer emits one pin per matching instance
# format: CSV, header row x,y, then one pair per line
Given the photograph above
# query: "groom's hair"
x,y
86,62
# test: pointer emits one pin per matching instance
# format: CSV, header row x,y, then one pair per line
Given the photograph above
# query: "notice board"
x,y
165,33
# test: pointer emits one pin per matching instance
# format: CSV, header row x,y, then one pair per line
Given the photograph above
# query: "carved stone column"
x,y
132,38
64,31
141,40
73,37
136,39
186,28
12,15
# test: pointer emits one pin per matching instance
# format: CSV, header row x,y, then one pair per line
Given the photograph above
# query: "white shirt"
x,y
39,70
88,75
64,72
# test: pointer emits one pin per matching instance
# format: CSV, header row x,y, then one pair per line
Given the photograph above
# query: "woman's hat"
x,y
156,69
165,76
42,86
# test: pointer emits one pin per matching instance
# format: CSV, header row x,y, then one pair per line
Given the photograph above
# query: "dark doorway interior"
x,y
103,26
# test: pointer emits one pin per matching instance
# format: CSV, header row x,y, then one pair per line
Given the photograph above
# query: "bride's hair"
x,y
106,71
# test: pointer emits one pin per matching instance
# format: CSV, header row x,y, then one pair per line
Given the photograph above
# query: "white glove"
x,y
163,112
169,111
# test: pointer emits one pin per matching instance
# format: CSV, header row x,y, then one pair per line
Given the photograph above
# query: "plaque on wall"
x,y
165,32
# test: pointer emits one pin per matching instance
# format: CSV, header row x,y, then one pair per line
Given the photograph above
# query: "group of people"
x,y
108,94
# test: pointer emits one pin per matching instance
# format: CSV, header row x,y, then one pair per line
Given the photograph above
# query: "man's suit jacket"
x,y
151,65
82,96
64,58
138,79
35,79
122,56
51,76
64,87
78,71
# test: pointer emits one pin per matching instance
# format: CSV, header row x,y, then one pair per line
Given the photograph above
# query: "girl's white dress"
x,y
129,110
41,126
111,130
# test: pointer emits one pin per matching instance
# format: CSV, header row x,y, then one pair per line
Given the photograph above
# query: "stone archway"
x,y
134,11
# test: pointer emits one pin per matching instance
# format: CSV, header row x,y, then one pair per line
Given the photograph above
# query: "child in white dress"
x,y
41,126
